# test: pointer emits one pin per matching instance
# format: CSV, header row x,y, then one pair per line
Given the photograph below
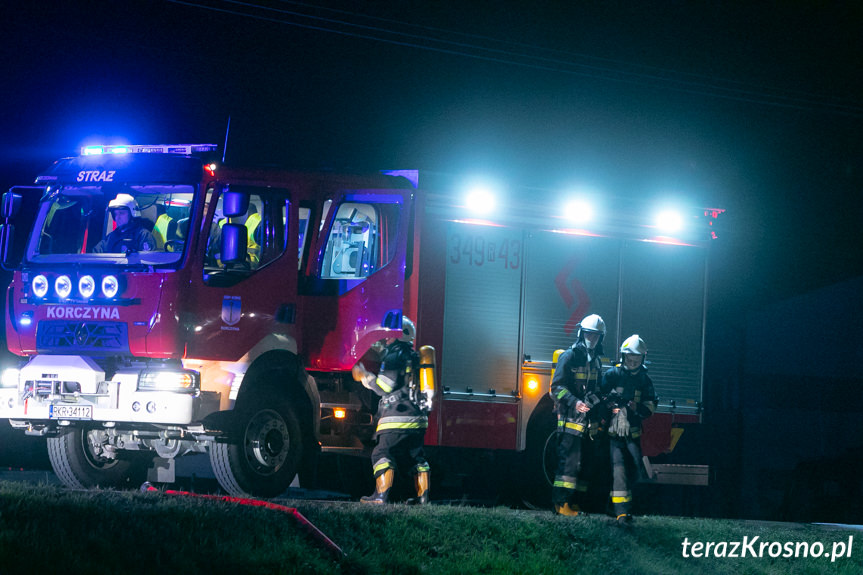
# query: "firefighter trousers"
x,y
626,468
575,457
399,450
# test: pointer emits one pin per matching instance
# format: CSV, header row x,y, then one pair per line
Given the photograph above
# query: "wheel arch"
x,y
281,372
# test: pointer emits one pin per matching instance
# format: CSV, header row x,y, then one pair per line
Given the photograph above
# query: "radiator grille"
x,y
70,336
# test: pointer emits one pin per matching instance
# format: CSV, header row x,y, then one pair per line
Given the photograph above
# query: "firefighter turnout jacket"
x,y
632,391
577,377
131,237
396,411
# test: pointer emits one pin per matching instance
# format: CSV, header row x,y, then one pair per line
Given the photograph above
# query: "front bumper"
x,y
66,389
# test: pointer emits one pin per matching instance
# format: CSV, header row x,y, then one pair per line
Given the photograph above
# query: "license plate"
x,y
70,412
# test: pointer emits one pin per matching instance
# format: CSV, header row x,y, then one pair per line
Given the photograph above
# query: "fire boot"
x,y
421,482
566,509
383,483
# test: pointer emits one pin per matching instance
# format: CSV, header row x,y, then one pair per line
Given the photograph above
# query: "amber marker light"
x,y
532,384
339,413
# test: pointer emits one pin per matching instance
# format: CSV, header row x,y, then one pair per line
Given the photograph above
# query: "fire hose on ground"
x,y
318,536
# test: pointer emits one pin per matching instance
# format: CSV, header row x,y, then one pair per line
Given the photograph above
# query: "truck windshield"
x,y
128,224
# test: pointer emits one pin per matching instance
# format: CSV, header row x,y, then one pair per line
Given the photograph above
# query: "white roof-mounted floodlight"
x,y
184,149
579,211
669,221
481,195
480,200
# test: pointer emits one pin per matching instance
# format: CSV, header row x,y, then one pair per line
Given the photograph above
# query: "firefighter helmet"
x,y
633,344
591,324
123,201
409,331
633,351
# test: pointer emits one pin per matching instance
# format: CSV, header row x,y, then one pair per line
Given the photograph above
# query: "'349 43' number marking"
x,y
476,250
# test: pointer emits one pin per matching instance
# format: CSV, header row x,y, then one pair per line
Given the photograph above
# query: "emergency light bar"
x,y
185,149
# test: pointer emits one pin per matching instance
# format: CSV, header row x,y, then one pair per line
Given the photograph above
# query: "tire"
x,y
79,465
263,454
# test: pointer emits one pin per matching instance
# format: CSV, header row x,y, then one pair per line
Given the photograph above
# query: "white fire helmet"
x,y
409,331
592,324
635,346
123,201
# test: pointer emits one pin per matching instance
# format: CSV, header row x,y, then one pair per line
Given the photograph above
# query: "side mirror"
x,y
234,247
234,204
10,204
7,232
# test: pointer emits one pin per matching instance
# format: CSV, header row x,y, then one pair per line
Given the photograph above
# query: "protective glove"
x,y
361,374
426,400
619,424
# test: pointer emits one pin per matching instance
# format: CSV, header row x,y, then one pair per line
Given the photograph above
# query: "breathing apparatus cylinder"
x,y
554,357
427,370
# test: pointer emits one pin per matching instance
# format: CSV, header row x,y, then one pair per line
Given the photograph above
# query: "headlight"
x,y
63,286
40,286
110,286
86,286
10,377
186,381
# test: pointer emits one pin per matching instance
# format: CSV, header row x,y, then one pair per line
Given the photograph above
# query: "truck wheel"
x,y
79,462
263,455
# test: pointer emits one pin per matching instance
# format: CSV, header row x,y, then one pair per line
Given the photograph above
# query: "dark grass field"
x,y
47,529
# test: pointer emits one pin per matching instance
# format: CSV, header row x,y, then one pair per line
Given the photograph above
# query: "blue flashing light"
x,y
26,319
185,149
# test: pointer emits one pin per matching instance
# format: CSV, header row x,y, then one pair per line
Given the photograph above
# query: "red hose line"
x,y
307,525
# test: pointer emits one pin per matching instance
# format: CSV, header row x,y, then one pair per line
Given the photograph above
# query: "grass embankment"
x,y
46,529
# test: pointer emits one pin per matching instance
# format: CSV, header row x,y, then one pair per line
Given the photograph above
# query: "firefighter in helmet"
x,y
631,399
129,235
574,390
402,418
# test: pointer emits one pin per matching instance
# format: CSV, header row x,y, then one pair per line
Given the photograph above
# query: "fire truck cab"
x,y
200,342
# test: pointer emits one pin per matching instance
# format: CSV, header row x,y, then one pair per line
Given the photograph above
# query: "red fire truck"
x,y
235,333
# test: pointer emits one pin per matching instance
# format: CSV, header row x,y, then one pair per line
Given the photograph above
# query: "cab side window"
x,y
265,223
361,240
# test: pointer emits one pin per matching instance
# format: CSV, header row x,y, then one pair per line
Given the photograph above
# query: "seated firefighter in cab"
x,y
405,384
129,234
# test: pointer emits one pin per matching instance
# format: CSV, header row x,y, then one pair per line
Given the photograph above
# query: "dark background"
x,y
753,108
